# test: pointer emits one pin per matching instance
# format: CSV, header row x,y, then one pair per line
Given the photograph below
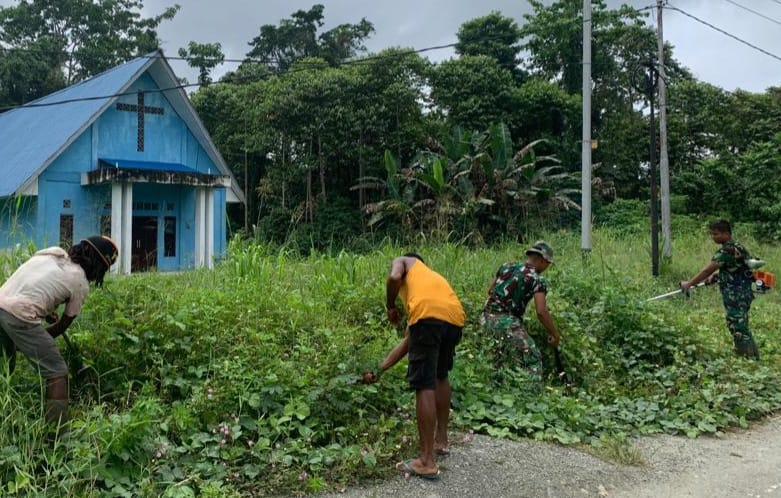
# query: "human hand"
x,y
51,317
685,286
553,340
394,316
369,377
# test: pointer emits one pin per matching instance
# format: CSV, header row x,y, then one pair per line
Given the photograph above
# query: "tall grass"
x,y
240,381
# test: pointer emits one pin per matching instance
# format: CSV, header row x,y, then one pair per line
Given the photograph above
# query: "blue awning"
x,y
146,166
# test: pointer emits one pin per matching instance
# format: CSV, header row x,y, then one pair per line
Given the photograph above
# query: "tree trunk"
x,y
361,174
284,149
321,161
310,216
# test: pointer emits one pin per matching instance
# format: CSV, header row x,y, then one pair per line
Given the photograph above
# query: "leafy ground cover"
x,y
240,381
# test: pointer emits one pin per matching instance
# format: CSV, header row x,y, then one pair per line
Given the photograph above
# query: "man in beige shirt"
x,y
48,279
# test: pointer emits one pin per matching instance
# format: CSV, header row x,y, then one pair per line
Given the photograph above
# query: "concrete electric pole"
x,y
664,161
585,214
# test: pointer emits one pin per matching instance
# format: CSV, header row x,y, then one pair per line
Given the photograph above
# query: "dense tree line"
x,y
46,45
334,143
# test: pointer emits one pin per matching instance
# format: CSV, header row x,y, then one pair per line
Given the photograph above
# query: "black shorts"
x,y
432,347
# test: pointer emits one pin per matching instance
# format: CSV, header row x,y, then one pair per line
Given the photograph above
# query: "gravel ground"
x,y
744,463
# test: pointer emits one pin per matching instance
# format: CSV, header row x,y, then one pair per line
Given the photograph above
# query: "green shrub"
x,y
623,215
240,381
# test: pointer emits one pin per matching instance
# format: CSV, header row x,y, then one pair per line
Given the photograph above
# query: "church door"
x,y
144,250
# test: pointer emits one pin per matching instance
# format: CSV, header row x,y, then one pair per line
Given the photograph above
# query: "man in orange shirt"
x,y
435,319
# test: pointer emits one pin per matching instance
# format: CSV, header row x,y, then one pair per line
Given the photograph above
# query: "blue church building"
x,y
122,154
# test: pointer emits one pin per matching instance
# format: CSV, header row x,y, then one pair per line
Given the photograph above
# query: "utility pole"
x,y
585,188
246,182
664,161
648,88
651,80
246,198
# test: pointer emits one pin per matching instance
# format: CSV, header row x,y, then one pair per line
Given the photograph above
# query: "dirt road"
x,y
741,463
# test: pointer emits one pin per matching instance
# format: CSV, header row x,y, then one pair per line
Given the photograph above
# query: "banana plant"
x,y
472,176
399,202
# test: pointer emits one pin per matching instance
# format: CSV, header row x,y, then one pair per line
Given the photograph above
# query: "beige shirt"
x,y
46,280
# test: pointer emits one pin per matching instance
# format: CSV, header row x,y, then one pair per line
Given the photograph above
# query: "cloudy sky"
x,y
712,56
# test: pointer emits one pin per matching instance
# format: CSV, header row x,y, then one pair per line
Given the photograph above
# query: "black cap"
x,y
105,247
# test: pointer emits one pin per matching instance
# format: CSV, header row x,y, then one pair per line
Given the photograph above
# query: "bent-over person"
x,y
514,285
50,277
435,319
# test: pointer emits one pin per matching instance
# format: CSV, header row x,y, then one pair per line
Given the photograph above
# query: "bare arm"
x,y
60,326
701,276
398,352
395,355
545,318
392,285
491,287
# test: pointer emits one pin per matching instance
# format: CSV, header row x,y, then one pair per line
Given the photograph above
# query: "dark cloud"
x,y
398,23
712,56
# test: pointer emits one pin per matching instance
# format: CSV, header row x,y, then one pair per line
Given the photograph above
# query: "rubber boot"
x,y
8,351
746,346
57,404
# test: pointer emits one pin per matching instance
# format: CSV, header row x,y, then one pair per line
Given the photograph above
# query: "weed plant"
x,y
240,381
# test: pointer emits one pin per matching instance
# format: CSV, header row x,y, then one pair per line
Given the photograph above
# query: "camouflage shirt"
x,y
514,287
733,271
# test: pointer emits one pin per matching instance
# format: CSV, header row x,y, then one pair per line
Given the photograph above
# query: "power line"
x,y
273,60
763,16
253,78
706,23
238,79
233,80
268,60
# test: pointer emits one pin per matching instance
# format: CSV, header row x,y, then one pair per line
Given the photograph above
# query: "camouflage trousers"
x,y
510,343
737,305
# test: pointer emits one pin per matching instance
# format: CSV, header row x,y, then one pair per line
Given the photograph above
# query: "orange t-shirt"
x,y
426,294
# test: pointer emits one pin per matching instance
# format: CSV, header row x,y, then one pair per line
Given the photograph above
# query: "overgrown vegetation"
x,y
239,381
310,133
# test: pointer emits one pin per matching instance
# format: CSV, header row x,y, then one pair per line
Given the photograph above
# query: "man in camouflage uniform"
x,y
513,287
734,277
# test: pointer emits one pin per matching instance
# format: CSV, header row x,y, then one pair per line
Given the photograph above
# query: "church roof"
x,y
35,134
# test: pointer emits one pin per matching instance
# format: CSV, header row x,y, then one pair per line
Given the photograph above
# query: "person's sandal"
x,y
443,452
406,467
